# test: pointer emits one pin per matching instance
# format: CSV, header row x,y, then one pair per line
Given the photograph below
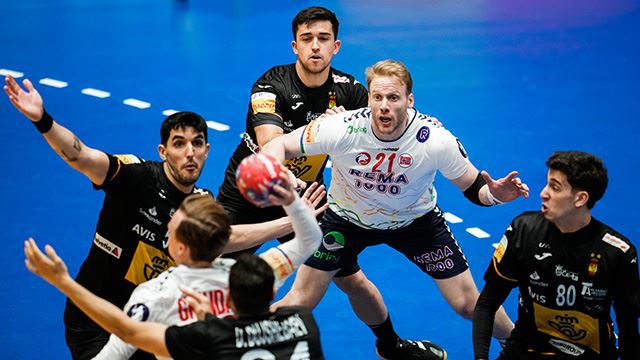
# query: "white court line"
x,y
54,83
217,126
452,218
137,103
14,74
169,112
479,233
495,245
96,93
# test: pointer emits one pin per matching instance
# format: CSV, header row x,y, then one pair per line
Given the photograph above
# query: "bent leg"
x,y
364,296
308,288
461,293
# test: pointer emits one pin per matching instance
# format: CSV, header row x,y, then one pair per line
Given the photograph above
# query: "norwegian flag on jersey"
x,y
405,160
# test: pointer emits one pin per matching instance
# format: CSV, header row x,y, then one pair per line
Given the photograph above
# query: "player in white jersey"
x,y
384,161
160,300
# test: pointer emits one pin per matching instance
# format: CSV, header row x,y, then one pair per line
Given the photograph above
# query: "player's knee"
x,y
354,285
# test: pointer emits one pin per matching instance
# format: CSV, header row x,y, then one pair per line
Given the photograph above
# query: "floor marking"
x,y
54,83
14,74
217,126
452,218
137,103
495,245
479,233
169,112
96,93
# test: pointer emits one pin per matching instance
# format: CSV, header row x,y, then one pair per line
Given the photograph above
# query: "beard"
x,y
184,180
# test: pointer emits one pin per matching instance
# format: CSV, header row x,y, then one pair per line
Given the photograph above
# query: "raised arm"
x,y
482,190
147,336
91,162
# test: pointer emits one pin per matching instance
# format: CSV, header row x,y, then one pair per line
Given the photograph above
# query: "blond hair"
x,y
391,68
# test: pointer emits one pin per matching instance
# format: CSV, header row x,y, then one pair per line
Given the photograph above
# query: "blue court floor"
x,y
514,80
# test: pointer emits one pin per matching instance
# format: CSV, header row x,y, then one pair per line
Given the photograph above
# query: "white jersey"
x,y
380,184
160,299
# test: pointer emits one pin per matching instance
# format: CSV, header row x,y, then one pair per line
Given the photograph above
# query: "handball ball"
x,y
256,176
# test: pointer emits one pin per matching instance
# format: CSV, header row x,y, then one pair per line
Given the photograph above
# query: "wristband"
x,y
492,199
45,123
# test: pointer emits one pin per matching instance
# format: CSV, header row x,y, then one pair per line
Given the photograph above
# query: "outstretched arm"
x,y
147,336
286,146
481,189
91,162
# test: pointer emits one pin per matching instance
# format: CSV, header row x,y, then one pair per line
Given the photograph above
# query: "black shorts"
x,y
427,242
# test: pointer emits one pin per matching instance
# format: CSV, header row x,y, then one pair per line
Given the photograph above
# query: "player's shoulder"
x,y
612,239
343,78
274,76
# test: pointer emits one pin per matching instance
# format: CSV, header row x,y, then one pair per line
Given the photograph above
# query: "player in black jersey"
x,y
287,97
570,269
130,242
288,333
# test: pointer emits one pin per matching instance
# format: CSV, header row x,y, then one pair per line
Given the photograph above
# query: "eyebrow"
x,y
311,33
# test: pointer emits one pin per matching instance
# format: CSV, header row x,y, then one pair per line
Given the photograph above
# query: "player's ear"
x,y
294,46
336,45
162,151
581,198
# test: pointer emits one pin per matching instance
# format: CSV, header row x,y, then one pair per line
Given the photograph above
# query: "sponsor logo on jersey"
x,y
405,160
306,168
138,312
263,102
296,106
592,269
149,216
333,240
162,195
379,181
356,130
326,256
147,263
616,242
264,86
568,325
423,134
536,297
534,276
561,272
153,211
127,159
543,256
544,245
463,152
296,96
340,79
108,246
363,158
591,293
566,347
501,249
145,233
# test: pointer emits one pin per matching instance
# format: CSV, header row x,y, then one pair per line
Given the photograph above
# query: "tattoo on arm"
x,y
77,145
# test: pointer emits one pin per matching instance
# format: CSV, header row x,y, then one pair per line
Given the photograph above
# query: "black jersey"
x,y
280,98
568,283
289,333
130,243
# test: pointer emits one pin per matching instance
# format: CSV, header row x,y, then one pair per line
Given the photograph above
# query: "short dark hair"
x,y
181,120
584,172
205,228
313,14
251,285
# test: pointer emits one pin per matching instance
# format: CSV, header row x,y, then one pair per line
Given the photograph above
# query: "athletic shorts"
x,y
427,242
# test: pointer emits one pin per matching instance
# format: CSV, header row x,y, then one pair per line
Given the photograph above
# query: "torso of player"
x,y
280,91
384,184
565,282
130,243
160,300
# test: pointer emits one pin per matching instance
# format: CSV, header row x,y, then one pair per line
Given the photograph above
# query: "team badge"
x,y
405,160
332,99
363,158
333,240
593,264
423,134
